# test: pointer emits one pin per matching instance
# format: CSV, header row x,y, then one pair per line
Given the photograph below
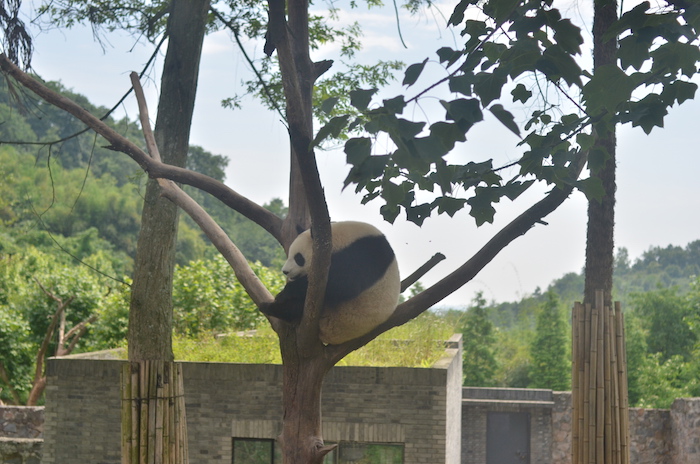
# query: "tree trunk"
x,y
150,319
153,414
601,214
301,440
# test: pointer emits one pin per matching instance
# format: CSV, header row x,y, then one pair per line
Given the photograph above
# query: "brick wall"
x,y
418,407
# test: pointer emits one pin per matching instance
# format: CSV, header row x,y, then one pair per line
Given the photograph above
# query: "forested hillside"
x,y
660,296
61,181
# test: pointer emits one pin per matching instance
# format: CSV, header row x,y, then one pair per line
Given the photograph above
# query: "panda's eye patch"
x,y
299,259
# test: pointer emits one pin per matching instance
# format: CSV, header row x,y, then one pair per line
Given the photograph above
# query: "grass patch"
x,y
419,343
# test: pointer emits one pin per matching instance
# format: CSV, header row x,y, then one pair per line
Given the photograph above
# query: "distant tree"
x,y
479,339
664,316
551,367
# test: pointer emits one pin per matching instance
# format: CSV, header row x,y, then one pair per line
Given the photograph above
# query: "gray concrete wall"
x,y
478,402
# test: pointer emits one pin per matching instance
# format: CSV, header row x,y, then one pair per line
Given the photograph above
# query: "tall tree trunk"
x,y
151,385
150,318
601,214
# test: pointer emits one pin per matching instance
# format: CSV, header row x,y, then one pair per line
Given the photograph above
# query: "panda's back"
x,y
357,267
363,285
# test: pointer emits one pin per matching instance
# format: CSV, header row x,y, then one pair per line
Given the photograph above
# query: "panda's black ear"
x,y
300,229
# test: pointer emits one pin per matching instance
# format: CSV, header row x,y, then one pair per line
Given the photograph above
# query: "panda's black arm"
x,y
289,303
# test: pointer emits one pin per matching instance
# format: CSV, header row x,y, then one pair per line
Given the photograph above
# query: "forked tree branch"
x,y
245,275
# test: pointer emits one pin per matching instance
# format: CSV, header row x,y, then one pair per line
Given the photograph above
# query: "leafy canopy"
x,y
516,55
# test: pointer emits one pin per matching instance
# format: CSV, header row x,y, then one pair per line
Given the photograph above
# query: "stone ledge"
x,y
529,404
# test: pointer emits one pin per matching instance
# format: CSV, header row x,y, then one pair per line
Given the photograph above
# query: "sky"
x,y
658,196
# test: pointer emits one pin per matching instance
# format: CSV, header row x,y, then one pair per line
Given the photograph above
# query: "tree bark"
x,y
150,319
600,245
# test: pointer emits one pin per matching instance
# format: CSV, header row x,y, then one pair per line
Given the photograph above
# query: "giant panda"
x,y
363,282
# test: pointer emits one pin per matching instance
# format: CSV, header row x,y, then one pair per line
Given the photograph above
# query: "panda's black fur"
x,y
363,282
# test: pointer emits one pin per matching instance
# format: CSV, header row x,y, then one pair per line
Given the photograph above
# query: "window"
x,y
368,453
254,451
266,451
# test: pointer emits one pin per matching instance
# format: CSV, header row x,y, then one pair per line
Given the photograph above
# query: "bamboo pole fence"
x,y
154,427
600,415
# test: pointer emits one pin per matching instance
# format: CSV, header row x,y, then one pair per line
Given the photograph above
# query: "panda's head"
x,y
299,257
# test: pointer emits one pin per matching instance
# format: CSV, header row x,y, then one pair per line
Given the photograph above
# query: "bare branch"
x,y
421,271
76,332
39,382
245,275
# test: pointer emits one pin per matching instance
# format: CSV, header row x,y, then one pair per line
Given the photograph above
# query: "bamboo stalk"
x,y
600,386
592,386
616,424
125,389
582,379
624,399
586,386
152,403
159,393
574,382
143,412
609,393
182,418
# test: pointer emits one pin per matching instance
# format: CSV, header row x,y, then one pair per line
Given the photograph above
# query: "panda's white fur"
x,y
363,282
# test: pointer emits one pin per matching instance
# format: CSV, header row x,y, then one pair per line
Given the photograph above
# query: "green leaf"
x,y
360,99
418,214
585,141
481,203
678,91
413,72
673,57
462,109
647,113
328,104
448,134
634,51
446,54
521,57
458,13
462,84
409,129
597,157
395,194
395,105
364,172
568,36
500,10
449,205
357,150
556,63
506,118
488,86
608,88
592,187
520,93
389,212
514,189
333,129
